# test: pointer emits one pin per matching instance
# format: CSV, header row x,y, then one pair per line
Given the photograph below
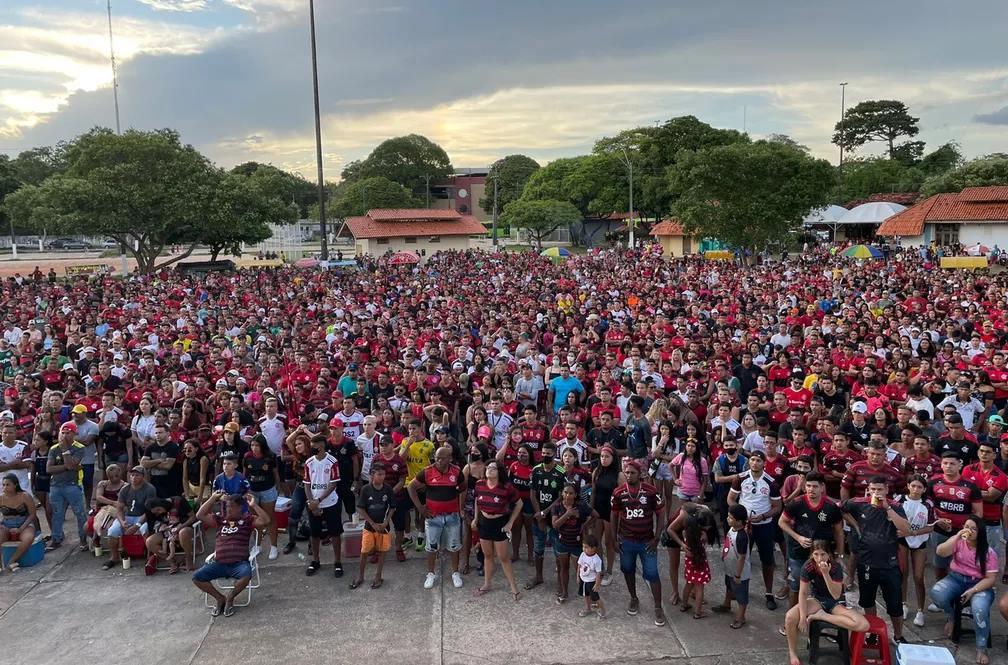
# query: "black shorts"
x,y
491,529
331,517
905,545
889,580
762,538
401,512
285,471
587,589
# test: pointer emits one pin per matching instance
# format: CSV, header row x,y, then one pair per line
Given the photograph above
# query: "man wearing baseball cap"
x,y
87,435
65,469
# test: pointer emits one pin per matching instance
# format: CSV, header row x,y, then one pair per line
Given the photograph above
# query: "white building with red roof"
x,y
416,230
976,215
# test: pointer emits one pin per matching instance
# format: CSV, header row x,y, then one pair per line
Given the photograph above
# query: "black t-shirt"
x,y
238,449
259,472
598,437
878,542
376,502
114,443
344,453
811,522
818,589
859,436
966,450
167,482
547,485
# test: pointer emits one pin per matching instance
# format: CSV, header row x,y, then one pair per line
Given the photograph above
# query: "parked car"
x,y
67,243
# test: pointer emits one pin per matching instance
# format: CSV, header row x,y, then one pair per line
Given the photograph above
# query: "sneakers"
x,y
419,544
634,607
457,579
312,568
933,608
659,617
289,547
919,619
607,579
274,552
771,604
408,541
429,581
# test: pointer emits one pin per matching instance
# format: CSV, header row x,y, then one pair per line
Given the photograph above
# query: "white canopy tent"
x,y
870,213
826,215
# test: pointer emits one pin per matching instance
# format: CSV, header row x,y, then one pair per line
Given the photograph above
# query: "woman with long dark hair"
x,y
605,477
971,577
17,510
696,516
498,506
520,472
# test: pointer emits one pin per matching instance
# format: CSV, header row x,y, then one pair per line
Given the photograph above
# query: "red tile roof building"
x,y
403,222
979,205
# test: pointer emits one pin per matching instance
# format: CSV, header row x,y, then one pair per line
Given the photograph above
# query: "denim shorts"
x,y
116,530
739,591
795,567
443,532
562,548
217,571
266,496
14,522
630,550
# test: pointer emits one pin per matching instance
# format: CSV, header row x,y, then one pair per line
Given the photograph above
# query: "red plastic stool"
x,y
858,644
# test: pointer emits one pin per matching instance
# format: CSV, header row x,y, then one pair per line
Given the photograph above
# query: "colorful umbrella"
x,y
977,250
404,258
555,252
862,252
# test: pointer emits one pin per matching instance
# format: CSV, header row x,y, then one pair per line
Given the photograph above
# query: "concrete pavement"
x,y
67,610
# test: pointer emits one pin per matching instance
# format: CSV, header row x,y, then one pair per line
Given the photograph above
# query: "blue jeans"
x,y
630,550
540,537
60,496
947,589
298,504
209,572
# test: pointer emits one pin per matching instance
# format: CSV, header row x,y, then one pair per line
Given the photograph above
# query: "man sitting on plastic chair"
x,y
231,552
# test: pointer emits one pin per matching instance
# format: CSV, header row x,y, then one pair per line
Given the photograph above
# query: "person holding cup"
x,y
972,573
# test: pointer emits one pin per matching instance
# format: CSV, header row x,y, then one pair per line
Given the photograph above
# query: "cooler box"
x,y
134,546
921,654
34,555
282,512
352,539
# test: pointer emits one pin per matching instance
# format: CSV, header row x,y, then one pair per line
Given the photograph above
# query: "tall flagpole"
x,y
324,254
115,78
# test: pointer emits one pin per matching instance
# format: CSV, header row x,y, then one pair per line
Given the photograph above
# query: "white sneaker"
x,y
919,619
274,552
457,579
429,581
933,608
606,579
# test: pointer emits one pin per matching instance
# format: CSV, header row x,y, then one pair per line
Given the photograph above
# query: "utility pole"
x,y
324,253
843,109
630,220
115,78
427,178
495,213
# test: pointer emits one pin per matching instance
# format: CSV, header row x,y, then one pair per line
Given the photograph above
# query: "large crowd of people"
x,y
617,409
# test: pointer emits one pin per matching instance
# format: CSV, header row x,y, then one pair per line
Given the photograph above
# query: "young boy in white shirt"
x,y
590,576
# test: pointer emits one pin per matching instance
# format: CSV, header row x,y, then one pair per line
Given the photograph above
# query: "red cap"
x,y
69,426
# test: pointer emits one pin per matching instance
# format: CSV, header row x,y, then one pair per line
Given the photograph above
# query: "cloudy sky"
x,y
486,78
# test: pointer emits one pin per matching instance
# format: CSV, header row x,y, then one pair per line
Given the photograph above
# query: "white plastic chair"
x,y
254,583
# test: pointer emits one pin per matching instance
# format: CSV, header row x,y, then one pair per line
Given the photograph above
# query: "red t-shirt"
x,y
985,480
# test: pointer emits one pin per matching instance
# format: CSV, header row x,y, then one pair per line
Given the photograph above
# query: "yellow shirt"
x,y
418,455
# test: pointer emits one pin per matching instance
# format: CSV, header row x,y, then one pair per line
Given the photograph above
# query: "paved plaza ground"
x,y
67,610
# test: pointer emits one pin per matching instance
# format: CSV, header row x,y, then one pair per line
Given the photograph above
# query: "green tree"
x,y
991,170
243,207
877,175
357,197
944,158
282,184
876,120
788,141
144,189
540,217
407,160
35,165
749,194
511,174
9,183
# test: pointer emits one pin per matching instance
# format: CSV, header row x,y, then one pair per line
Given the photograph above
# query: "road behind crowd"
x,y
68,611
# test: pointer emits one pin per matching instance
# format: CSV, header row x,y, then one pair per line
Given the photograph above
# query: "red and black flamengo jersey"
x,y
927,465
952,501
395,470
443,489
860,473
495,500
535,434
637,508
833,461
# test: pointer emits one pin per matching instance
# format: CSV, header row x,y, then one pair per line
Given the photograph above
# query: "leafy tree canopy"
x,y
991,170
540,217
359,196
883,120
407,160
511,174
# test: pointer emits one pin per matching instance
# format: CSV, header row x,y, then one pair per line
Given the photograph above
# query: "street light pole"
x,y
427,178
495,213
630,220
843,91
115,79
324,253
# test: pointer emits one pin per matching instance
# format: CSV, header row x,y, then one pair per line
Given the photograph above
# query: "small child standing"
x,y
697,570
735,557
590,576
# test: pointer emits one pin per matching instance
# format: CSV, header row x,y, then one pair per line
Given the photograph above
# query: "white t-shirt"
x,y
17,453
369,449
352,425
275,431
320,474
917,515
589,567
579,448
